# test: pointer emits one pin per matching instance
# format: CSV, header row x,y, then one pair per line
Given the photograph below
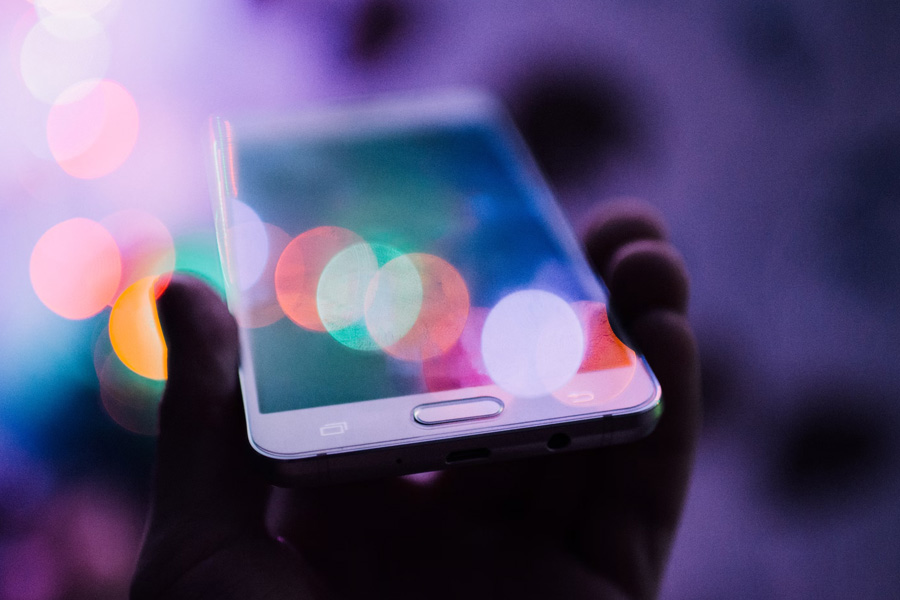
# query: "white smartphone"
x,y
409,295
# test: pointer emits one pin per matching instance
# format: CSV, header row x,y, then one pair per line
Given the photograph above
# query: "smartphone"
x,y
409,296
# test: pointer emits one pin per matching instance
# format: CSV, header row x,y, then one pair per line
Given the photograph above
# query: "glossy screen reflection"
x,y
409,263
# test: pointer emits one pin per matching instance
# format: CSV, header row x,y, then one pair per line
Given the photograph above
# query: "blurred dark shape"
x,y
863,236
767,35
29,569
574,120
835,452
24,483
718,370
83,544
83,440
374,29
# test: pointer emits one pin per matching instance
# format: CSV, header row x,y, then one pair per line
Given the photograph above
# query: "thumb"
x,y
206,491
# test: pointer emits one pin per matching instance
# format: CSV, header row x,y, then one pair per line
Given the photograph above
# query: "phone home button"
x,y
455,411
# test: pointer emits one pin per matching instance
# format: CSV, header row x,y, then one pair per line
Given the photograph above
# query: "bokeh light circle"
x,y
70,8
92,128
259,304
17,34
462,366
198,254
443,313
50,64
132,401
299,268
145,245
610,362
393,301
70,136
249,245
603,349
72,26
135,332
341,295
532,343
75,268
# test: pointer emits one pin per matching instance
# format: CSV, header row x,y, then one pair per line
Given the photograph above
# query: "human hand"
x,y
588,524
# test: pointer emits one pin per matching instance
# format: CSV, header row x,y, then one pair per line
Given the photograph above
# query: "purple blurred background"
x,y
768,134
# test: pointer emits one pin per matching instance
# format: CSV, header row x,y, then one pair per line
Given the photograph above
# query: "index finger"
x,y
635,492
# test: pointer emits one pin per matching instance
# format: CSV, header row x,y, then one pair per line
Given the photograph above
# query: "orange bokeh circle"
x,y
134,329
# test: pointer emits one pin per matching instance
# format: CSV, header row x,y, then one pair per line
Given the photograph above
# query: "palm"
x,y
528,529
584,524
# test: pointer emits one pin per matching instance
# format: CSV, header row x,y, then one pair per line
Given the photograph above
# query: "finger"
x,y
349,524
615,224
203,464
647,275
666,455
637,490
624,239
206,491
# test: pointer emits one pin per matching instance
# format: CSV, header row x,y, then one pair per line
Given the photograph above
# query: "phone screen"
x,y
400,261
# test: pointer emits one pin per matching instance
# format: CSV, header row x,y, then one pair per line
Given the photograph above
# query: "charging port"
x,y
558,441
464,455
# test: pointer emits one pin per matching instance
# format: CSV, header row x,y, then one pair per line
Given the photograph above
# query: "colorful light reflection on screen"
x,y
532,343
342,291
250,245
393,301
611,362
300,267
604,350
259,304
415,307
371,296
441,315
462,365
407,316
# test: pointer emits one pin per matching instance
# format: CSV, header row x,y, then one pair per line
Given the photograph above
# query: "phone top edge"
x,y
371,114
